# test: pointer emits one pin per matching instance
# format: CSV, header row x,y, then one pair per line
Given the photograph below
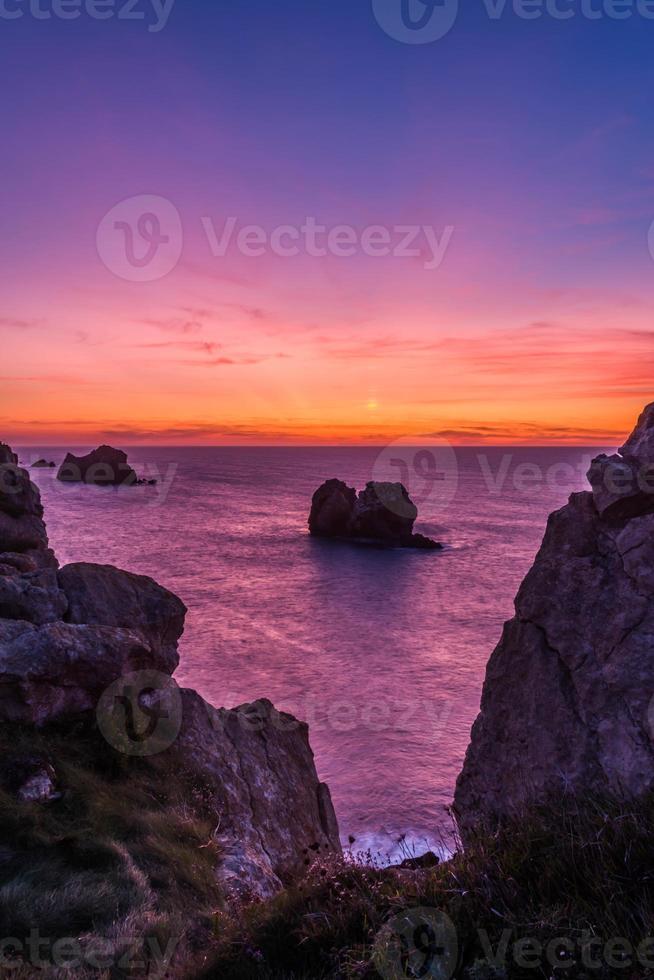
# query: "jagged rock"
x,y
258,766
567,701
42,464
104,466
80,643
382,513
106,596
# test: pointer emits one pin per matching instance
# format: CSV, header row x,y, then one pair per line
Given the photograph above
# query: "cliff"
x,y
567,705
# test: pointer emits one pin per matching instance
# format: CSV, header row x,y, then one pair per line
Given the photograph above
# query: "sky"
x,y
303,222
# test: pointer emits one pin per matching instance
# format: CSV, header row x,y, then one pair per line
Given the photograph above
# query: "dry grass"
x,y
559,872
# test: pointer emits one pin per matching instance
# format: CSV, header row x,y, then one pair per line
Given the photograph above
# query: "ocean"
x,y
382,652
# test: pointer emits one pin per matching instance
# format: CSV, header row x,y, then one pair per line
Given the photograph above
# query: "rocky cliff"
x,y
567,701
86,658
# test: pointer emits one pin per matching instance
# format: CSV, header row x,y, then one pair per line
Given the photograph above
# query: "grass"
x,y
123,864
581,875
125,856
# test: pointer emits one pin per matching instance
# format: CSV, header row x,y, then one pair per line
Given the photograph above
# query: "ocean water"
x,y
383,652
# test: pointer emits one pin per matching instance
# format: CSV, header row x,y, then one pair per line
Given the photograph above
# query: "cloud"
x,y
13,323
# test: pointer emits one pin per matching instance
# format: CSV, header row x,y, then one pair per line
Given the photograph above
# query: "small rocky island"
x,y
43,464
103,467
383,514
128,804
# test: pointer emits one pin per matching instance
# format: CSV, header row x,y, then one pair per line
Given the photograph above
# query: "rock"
x,y
421,863
567,701
42,464
105,467
7,455
34,596
29,778
106,596
258,765
382,513
83,650
331,509
59,670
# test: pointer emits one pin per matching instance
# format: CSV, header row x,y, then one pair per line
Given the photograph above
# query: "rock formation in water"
x,y
381,514
104,467
68,634
567,704
43,464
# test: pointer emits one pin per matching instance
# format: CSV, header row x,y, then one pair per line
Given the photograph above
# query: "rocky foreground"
x,y
89,712
567,705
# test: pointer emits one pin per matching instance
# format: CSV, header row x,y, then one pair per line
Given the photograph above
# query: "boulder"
x,y
106,596
382,513
105,467
42,464
59,670
567,704
34,596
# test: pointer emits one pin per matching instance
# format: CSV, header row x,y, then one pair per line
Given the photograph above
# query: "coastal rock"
x,y
42,464
90,646
382,513
7,455
104,467
106,596
567,704
258,765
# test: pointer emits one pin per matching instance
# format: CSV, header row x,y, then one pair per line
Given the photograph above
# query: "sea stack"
x,y
103,467
382,514
567,704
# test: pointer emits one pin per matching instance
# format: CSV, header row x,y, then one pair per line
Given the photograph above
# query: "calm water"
x,y
382,652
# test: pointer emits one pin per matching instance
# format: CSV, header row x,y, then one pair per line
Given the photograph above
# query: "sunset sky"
x,y
531,140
